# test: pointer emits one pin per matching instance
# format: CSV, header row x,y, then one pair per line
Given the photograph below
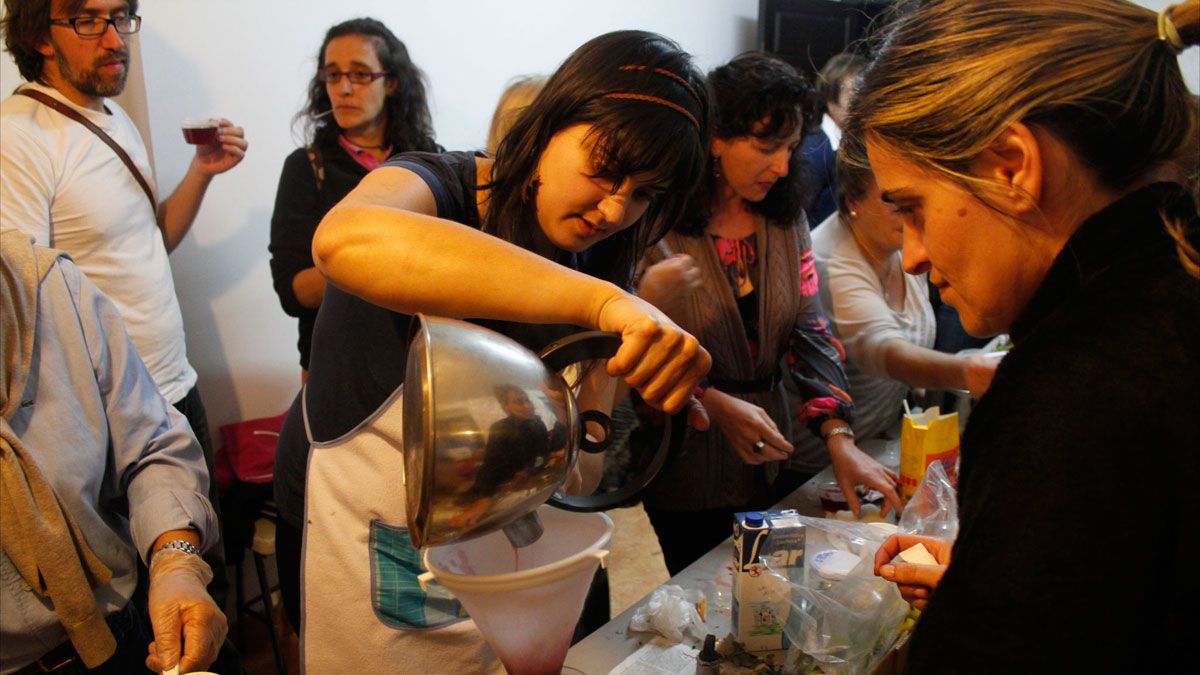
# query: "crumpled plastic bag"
x,y
933,510
670,612
843,627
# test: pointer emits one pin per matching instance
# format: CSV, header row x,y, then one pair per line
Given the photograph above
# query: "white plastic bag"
x,y
846,626
670,612
933,510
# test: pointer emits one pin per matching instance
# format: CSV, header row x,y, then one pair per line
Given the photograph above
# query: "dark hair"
x,y
852,173
755,87
408,126
649,111
26,24
835,70
503,390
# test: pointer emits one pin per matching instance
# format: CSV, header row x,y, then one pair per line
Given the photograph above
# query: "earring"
x,y
716,166
530,189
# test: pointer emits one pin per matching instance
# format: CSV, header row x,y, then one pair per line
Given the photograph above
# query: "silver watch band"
x,y
181,545
838,431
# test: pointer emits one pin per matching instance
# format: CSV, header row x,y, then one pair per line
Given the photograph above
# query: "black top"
x,y
1080,476
820,160
359,349
299,207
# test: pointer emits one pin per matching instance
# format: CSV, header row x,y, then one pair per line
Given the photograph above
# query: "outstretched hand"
x,y
853,467
226,153
667,283
916,583
188,627
663,362
979,370
747,428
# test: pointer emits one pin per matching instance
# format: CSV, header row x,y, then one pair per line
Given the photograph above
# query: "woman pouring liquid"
x,y
608,151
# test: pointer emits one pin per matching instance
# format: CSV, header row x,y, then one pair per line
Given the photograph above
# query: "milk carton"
x,y
762,601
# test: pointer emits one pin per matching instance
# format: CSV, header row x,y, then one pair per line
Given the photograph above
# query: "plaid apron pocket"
x,y
396,595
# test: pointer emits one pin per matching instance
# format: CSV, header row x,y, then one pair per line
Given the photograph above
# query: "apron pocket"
x,y
396,595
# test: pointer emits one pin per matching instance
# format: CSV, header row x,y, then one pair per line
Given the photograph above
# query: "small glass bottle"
x,y
708,661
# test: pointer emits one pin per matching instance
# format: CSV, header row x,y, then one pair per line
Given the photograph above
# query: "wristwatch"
x,y
181,545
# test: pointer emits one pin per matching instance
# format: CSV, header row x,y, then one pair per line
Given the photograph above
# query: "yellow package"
x,y
925,438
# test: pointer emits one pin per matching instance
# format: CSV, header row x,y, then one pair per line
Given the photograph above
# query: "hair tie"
x,y
655,99
1168,33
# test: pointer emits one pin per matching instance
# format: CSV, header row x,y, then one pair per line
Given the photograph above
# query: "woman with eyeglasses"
x,y
535,243
365,103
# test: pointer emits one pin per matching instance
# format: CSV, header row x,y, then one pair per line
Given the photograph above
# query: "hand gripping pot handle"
x,y
593,345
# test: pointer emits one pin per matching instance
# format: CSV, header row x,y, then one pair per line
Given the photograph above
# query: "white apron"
x,y
364,611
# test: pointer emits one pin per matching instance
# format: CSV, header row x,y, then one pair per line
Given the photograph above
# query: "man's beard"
x,y
91,81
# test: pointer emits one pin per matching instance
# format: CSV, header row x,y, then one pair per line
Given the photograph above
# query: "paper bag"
x,y
925,438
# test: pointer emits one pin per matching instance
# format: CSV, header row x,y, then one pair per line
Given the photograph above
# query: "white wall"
x,y
250,62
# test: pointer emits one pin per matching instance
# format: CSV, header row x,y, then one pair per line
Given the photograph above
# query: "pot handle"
x,y
584,346
601,345
587,346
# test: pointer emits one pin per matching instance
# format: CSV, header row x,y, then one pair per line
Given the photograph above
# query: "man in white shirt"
x,y
62,185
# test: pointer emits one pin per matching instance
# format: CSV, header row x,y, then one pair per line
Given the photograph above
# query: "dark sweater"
x,y
820,161
1080,474
299,207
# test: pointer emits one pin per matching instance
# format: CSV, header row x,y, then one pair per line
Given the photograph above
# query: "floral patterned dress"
x,y
758,312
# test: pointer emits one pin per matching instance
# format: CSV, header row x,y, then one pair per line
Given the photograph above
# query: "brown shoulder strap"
x,y
74,114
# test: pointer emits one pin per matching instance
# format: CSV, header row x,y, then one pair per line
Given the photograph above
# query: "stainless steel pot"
x,y
491,432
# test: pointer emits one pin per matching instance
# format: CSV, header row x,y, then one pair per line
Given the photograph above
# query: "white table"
x,y
603,650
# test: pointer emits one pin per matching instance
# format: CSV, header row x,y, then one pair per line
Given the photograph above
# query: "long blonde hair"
x,y
951,75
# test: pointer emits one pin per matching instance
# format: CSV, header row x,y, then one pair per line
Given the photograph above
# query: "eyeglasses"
x,y
355,76
95,26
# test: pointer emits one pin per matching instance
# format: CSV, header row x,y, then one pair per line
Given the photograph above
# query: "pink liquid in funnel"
x,y
529,619
545,662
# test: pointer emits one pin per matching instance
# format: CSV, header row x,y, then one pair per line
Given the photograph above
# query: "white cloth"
x,y
362,602
852,295
63,186
832,131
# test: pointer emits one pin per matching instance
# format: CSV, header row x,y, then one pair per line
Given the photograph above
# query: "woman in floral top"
x,y
739,274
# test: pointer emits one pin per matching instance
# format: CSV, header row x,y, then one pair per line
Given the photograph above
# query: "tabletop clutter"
x,y
805,598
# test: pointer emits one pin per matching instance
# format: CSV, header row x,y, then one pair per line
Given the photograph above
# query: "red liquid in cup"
x,y
201,135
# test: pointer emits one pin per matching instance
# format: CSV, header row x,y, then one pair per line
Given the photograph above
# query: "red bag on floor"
x,y
247,451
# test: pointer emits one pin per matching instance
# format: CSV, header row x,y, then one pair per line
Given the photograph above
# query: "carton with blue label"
x,y
761,600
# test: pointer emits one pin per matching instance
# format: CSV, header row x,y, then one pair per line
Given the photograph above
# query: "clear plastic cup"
x,y
201,131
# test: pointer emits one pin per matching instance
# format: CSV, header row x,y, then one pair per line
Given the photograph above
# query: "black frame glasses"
x,y
355,76
95,26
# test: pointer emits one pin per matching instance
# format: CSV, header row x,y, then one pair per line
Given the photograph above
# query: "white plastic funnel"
x,y
526,601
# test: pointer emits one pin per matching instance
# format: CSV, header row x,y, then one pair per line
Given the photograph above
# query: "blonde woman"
x,y
517,96
1035,151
